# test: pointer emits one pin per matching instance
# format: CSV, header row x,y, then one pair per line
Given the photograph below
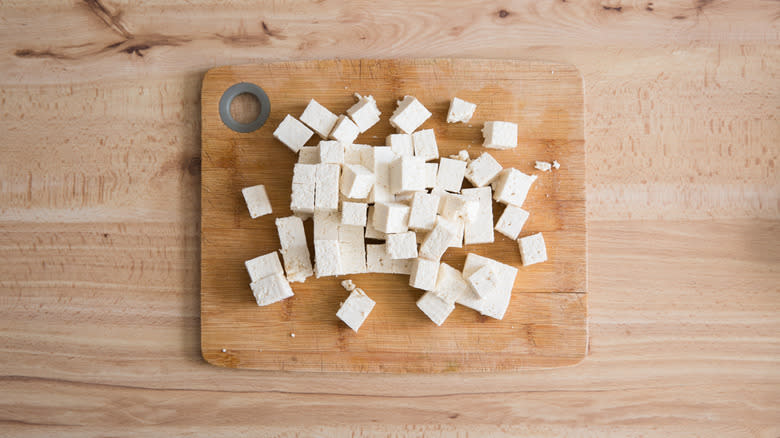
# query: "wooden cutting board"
x,y
546,323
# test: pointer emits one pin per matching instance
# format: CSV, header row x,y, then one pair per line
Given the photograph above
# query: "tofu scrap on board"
x,y
355,309
318,118
256,201
500,135
267,279
496,303
297,261
409,115
460,111
532,249
292,133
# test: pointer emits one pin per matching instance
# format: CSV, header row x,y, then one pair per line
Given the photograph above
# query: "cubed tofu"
x,y
512,187
357,181
511,221
303,188
405,197
450,175
422,215
256,201
364,113
425,146
355,309
331,151
454,206
484,281
326,189
495,304
271,289
460,111
431,171
402,245
437,241
353,153
423,274
371,232
483,170
450,284
345,130
263,266
309,155
380,193
352,246
295,253
327,256
500,135
435,308
378,260
318,118
377,159
409,115
391,217
292,133
532,249
479,229
354,213
401,144
326,225
407,174
457,224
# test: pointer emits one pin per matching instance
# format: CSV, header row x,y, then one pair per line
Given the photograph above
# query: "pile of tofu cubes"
x,y
404,197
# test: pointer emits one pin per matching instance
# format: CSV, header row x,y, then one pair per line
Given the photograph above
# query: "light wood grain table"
x,y
99,219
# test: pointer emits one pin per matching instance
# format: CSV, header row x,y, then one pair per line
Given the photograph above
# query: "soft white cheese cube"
x,y
263,266
371,232
450,175
423,274
425,145
331,151
256,201
353,153
401,144
345,130
495,304
354,213
327,255
532,249
407,174
364,113
326,189
303,186
409,115
422,215
402,245
460,111
309,155
484,281
511,221
435,308
483,170
357,181
377,159
355,309
271,289
437,241
318,118
512,187
295,253
391,217
431,170
292,133
500,135
479,229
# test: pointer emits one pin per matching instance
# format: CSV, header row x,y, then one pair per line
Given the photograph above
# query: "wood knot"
x,y
503,13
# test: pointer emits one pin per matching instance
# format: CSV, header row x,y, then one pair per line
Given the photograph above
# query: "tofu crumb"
x,y
292,335
224,351
543,166
348,285
556,164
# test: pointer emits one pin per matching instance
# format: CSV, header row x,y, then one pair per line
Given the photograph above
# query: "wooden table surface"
x,y
99,219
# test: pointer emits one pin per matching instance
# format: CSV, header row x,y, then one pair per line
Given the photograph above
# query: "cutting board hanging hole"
x,y
244,107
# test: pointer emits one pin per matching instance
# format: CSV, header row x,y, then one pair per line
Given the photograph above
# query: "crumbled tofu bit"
x,y
371,232
355,309
224,351
512,187
423,274
500,135
401,144
543,166
431,169
377,159
352,246
422,215
295,253
407,174
326,225
409,115
437,241
357,181
402,245
450,175
483,170
364,113
331,151
462,155
292,335
292,133
511,221
556,165
532,249
345,130
309,155
263,266
303,185
256,201
460,111
484,281
354,213
326,188
435,308
353,153
479,229
327,256
271,289
348,285
318,118
380,193
458,225
495,304
391,217
425,145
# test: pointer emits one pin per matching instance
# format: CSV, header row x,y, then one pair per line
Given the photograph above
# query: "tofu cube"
x,y
401,144
457,224
479,229
356,181
371,232
460,111
331,151
378,260
407,174
263,266
295,253
484,281
309,155
500,135
450,175
495,304
450,284
380,193
454,206
352,246
292,133
431,171
364,113
326,188
409,115
422,215
512,187
355,309
435,308
318,118
391,217
271,289
424,273
425,146
532,249
377,159
437,241
326,225
327,256
511,221
483,170
402,245
303,189
354,213
256,201
352,153
345,130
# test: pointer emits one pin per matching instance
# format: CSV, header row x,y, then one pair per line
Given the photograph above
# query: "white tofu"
x,y
271,289
263,266
450,284
357,181
437,241
512,187
484,281
345,130
462,155
378,260
352,246
423,274
331,151
440,194
454,206
354,213
402,245
556,165
292,133
405,197
380,193
355,309
256,201
479,229
435,308
500,135
532,249
377,159
309,155
295,253
327,256
348,285
511,221
460,111
353,153
402,266
425,146
495,304
422,215
326,189
391,217
326,225
544,166
371,232
303,186
483,170
431,170
400,144
457,224
450,175
407,174
409,115
364,113
472,209
318,118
